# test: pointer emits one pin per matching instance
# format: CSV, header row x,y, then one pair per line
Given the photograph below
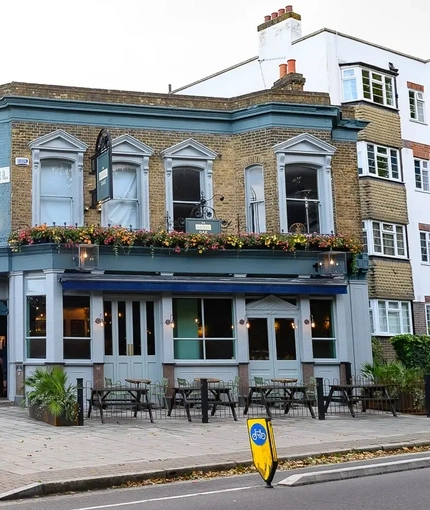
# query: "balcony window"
x,y
386,239
391,317
360,83
378,161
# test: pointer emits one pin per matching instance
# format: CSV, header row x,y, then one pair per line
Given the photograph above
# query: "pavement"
x,y
38,459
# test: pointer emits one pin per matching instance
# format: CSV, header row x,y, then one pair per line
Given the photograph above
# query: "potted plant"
x,y
404,383
50,398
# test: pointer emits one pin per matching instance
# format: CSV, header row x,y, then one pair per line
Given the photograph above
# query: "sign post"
x,y
263,448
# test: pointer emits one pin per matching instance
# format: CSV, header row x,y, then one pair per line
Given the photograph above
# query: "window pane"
x,y
108,328
350,89
383,325
285,339
417,166
56,178
297,212
56,210
412,108
186,184
400,241
389,91
137,337
36,316
188,349
371,159
321,311
36,348
377,241
423,245
76,349
258,339
122,338
180,212
123,208
383,166
324,349
220,349
218,321
388,242
256,215
150,328
406,324
76,316
301,182
394,323
394,164
366,85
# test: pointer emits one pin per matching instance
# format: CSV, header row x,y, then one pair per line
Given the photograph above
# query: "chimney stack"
x,y
279,30
289,79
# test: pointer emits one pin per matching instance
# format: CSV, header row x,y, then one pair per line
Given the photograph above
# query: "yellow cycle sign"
x,y
263,448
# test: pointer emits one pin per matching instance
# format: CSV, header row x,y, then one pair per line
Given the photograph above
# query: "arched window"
x,y
255,205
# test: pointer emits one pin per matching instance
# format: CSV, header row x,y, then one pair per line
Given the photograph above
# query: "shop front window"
x,y
76,325
36,327
203,329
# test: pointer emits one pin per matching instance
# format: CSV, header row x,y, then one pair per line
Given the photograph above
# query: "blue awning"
x,y
222,285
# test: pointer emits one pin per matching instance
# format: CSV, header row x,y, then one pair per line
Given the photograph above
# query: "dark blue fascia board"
x,y
262,116
195,287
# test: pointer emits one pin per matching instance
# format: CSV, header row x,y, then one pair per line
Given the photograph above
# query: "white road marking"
x,y
118,505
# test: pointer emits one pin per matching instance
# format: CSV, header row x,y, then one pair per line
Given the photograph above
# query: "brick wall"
x,y
390,279
383,200
384,125
236,153
5,188
420,319
419,150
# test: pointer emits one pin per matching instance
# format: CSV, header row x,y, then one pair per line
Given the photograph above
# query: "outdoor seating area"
x,y
208,399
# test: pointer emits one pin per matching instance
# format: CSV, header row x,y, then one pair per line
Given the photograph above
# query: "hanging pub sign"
x,y
101,166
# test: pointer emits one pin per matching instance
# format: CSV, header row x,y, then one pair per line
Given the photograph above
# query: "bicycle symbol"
x,y
258,434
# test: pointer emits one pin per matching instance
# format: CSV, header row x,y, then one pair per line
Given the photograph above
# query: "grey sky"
x,y
145,44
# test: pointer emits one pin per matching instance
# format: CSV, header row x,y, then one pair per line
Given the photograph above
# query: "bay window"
x,y
391,317
369,84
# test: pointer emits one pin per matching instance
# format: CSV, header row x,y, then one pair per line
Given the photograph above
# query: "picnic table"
x,y
282,395
191,395
135,397
352,394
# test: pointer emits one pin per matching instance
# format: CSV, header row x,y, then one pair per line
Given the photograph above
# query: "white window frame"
x,y
127,150
307,150
387,307
256,224
423,167
364,168
417,109
385,230
60,146
355,73
425,247
188,153
333,339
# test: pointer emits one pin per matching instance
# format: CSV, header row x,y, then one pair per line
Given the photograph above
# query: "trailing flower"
x,y
180,241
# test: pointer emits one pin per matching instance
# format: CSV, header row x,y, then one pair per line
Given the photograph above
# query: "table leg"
x,y
248,402
328,400
100,406
91,404
232,406
309,404
149,406
172,401
349,403
266,404
217,395
186,405
288,397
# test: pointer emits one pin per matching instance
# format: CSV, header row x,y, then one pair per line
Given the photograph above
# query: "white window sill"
x,y
396,257
418,122
391,334
419,190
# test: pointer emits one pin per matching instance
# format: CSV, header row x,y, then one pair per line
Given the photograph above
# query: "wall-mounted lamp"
x,y
170,322
99,320
87,257
244,321
312,322
332,263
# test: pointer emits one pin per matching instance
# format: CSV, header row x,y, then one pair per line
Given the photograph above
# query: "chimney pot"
x,y
274,15
281,12
291,66
289,8
282,70
267,18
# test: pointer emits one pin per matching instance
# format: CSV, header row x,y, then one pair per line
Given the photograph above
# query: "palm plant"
x,y
49,390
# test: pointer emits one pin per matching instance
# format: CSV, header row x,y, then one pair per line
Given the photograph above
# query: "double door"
x,y
131,349
272,342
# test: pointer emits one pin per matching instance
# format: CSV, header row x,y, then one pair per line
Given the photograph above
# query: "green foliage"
x,y
377,350
49,390
413,350
395,375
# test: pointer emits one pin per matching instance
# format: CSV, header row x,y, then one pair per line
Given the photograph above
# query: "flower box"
x,y
42,414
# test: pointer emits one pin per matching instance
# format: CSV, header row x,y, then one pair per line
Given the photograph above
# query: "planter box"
x,y
42,414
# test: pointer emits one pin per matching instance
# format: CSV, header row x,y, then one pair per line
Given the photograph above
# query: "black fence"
x,y
208,400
